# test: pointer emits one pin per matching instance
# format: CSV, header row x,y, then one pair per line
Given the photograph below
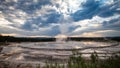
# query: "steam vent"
x,y
61,38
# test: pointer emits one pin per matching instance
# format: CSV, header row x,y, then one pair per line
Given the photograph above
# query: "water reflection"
x,y
39,51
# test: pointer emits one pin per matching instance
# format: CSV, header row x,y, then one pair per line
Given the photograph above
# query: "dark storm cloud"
x,y
39,22
92,8
28,6
109,10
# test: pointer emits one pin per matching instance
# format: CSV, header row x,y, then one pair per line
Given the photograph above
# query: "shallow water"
x,y
39,52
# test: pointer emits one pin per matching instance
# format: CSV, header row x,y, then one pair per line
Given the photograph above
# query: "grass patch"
x,y
77,61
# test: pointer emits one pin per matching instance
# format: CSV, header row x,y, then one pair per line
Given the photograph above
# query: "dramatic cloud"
x,y
55,17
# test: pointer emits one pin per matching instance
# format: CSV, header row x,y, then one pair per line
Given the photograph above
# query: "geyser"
x,y
61,38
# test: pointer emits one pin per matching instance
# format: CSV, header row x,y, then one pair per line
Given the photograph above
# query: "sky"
x,y
83,18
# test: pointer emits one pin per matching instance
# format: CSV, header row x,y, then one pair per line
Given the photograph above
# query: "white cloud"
x,y
108,32
106,2
89,34
99,33
3,21
95,22
68,6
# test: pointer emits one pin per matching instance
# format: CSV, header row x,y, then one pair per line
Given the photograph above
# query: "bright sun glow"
x,y
70,6
8,34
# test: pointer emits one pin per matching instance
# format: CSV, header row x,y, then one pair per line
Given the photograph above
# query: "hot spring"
x,y
39,52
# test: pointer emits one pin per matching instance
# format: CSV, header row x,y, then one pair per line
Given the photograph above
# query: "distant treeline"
x,y
24,39
51,39
94,38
